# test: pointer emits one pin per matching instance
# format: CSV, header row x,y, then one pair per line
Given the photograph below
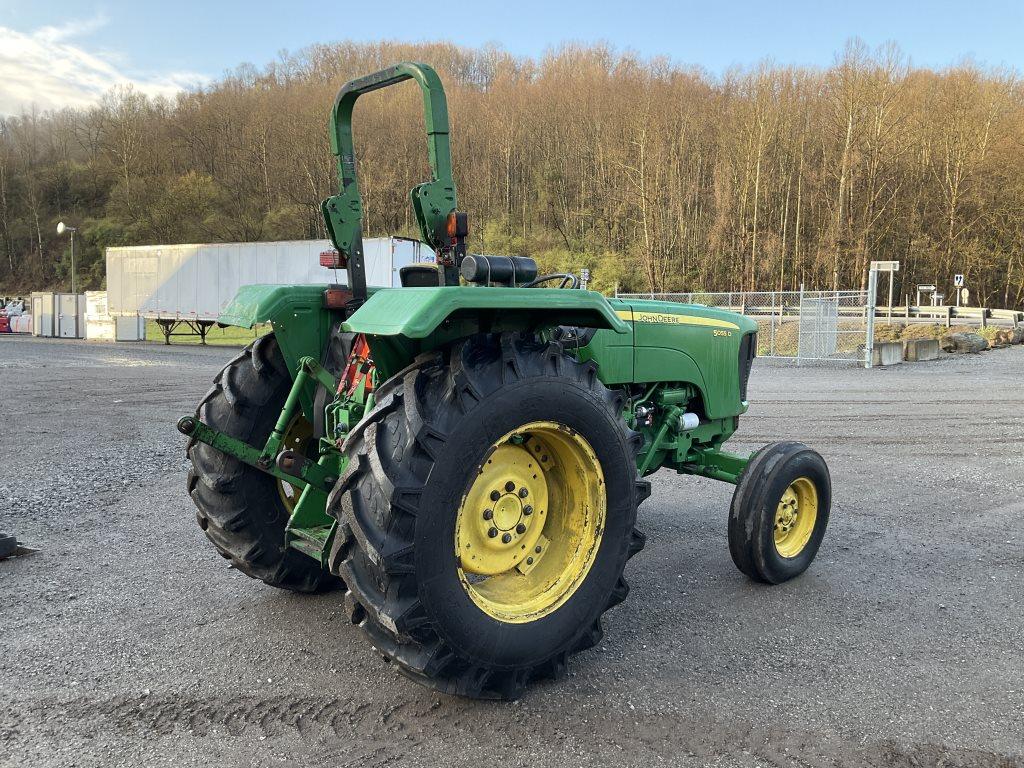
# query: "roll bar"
x,y
432,201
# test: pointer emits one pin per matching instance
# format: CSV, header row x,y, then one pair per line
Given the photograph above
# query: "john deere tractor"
x,y
463,456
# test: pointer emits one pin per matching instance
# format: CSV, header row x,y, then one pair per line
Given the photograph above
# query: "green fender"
x,y
264,303
417,313
301,323
402,322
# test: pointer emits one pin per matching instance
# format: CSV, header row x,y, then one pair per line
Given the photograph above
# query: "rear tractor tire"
x,y
779,512
486,515
242,510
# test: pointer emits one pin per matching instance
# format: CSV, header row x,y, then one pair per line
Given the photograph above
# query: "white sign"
x,y
965,295
958,281
885,266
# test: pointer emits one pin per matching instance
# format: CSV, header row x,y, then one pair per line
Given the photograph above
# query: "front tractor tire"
x,y
779,512
486,515
242,510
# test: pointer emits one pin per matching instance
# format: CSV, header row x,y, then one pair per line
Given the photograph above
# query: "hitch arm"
x,y
285,465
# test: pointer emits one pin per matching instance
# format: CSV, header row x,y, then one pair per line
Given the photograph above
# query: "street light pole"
x,y
61,229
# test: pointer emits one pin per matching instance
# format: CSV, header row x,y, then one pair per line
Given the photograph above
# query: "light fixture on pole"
x,y
61,229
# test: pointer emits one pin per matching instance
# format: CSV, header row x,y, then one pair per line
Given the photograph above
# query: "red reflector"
x,y
332,260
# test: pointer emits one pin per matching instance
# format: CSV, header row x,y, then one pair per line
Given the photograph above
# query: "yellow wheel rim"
x,y
795,517
296,438
530,525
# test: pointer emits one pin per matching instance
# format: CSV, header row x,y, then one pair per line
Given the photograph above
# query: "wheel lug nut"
x,y
527,510
520,529
506,538
495,495
529,561
523,493
510,486
488,514
492,532
537,549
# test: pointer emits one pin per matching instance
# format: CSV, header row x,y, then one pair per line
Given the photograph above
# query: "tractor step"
x,y
310,541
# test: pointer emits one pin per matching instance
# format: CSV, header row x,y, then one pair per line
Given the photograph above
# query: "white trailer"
x,y
191,285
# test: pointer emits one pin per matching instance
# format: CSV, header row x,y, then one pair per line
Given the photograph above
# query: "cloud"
x,y
48,69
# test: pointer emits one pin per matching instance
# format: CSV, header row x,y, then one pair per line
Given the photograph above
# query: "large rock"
x,y
1002,338
1018,335
963,342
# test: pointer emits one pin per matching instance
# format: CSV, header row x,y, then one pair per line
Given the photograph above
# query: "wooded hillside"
x,y
656,176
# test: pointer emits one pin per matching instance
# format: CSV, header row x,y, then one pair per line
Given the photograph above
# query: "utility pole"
x,y
61,229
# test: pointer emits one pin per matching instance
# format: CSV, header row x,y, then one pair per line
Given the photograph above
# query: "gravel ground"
x,y
127,641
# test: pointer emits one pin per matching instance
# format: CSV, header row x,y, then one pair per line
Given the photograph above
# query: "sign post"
x,y
958,282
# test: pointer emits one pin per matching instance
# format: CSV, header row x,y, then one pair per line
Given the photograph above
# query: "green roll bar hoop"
x,y
432,201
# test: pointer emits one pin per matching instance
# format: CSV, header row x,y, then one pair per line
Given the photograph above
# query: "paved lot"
x,y
127,641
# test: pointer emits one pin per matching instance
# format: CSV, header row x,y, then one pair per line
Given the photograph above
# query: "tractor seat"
x,y
422,275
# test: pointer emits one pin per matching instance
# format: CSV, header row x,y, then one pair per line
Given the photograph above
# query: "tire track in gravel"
x,y
390,731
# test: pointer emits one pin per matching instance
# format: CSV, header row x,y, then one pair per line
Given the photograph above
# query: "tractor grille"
x,y
748,349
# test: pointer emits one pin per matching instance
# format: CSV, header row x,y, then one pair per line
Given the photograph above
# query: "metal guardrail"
x,y
948,313
787,303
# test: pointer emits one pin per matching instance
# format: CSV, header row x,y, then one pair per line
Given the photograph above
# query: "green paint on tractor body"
x,y
681,368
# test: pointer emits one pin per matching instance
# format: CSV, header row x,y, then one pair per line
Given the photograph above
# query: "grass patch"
x,y
226,337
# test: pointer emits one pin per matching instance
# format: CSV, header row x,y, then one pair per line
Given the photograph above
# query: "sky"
x,y
56,53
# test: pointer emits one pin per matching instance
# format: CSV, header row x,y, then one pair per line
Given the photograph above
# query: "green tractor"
x,y
464,455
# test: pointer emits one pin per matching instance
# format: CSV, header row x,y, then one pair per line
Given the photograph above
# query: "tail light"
x,y
332,260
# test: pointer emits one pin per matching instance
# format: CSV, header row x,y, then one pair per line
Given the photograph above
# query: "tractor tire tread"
x,y
237,505
376,501
745,547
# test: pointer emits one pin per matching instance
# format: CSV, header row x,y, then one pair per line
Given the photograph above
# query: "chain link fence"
x,y
829,326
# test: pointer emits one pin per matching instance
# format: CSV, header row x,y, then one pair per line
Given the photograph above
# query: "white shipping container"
x,y
97,329
43,314
70,315
196,282
96,305
99,326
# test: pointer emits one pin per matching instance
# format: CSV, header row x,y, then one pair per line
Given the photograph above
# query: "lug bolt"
x,y
488,514
520,529
529,561
495,495
492,532
510,486
537,549
527,510
506,538
523,493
